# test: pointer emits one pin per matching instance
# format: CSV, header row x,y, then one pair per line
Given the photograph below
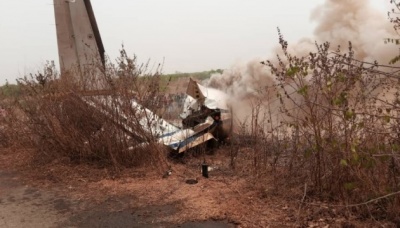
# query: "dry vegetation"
x,y
335,144
333,150
335,138
71,117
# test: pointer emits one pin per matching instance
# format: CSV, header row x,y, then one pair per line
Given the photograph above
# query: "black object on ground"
x,y
204,170
191,181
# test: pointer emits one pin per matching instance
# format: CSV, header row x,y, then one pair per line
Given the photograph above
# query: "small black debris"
x,y
191,181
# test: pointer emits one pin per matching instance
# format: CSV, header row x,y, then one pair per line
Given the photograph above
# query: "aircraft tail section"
x,y
96,31
78,36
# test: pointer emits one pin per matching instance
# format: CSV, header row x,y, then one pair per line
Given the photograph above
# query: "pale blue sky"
x,y
190,35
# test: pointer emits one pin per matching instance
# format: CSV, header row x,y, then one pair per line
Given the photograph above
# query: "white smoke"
x,y
243,79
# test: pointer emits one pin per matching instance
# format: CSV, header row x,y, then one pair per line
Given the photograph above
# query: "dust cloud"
x,y
338,22
341,21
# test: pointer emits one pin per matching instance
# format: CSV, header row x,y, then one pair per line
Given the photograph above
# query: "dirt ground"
x,y
63,194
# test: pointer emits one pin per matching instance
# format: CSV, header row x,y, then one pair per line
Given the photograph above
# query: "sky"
x,y
188,36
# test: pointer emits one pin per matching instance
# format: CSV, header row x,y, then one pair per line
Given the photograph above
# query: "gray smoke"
x,y
341,21
338,22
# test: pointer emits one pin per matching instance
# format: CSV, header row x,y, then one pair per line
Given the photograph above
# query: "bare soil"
x,y
65,194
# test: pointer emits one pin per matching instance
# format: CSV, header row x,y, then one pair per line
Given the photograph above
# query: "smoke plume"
x,y
338,22
341,21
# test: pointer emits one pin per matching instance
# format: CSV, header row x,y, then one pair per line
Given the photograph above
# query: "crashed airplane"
x,y
206,115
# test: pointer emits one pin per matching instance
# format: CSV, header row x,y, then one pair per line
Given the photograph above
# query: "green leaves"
x,y
349,114
296,70
292,71
394,60
350,186
343,162
341,100
386,118
303,90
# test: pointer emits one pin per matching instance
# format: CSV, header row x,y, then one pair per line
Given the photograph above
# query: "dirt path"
x,y
25,206
22,205
63,194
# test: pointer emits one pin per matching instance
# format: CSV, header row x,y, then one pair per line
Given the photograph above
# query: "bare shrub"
x,y
94,116
336,131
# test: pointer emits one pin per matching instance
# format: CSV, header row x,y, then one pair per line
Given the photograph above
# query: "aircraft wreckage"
x,y
206,115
